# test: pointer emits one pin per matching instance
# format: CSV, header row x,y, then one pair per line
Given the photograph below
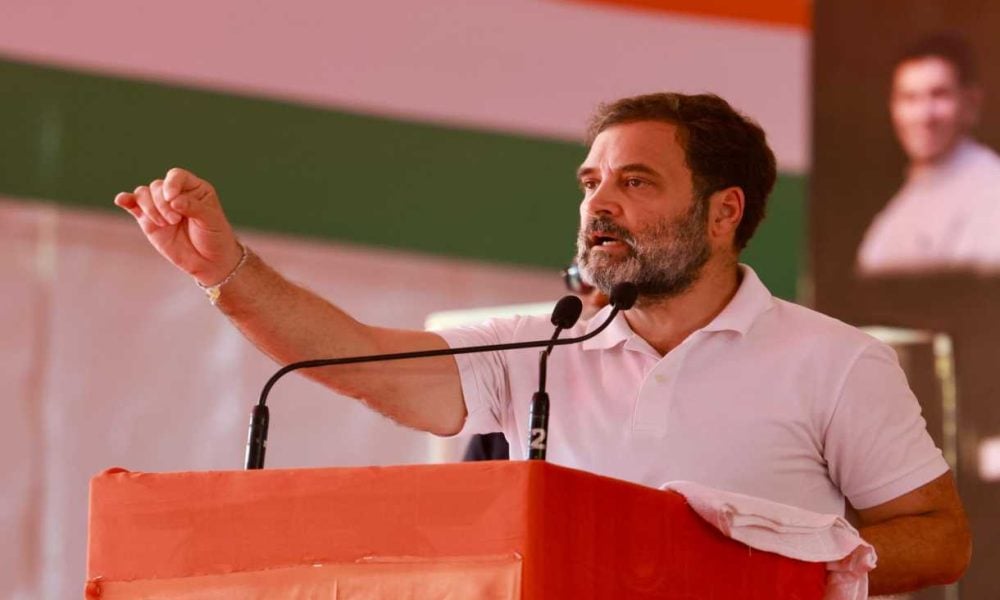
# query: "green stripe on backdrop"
x,y
79,139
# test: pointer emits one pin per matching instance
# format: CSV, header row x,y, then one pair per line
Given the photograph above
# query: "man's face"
x,y
931,110
639,221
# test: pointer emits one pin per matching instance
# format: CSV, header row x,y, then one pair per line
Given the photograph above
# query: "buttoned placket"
x,y
657,394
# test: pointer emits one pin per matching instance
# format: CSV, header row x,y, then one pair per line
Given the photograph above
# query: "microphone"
x,y
622,297
565,315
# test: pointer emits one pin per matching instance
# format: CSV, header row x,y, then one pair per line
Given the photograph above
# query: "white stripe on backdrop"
x,y
524,66
113,358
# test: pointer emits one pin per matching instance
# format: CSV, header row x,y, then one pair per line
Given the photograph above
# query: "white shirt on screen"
x,y
770,399
945,217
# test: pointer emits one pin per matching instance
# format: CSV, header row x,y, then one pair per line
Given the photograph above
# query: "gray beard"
x,y
663,261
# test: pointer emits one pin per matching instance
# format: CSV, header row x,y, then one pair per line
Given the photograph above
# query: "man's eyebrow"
x,y
629,168
639,168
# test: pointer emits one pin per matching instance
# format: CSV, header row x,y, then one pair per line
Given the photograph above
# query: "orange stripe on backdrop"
x,y
795,13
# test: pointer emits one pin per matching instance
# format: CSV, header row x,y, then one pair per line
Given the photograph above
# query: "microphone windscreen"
x,y
624,295
567,312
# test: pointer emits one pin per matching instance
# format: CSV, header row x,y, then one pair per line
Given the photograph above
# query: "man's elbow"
x,y
447,424
955,552
960,553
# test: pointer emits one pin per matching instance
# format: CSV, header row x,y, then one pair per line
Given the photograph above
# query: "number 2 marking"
x,y
537,439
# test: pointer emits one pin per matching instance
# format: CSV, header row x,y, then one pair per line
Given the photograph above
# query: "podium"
x,y
498,530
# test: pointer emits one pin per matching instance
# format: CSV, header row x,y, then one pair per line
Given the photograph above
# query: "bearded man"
x,y
708,378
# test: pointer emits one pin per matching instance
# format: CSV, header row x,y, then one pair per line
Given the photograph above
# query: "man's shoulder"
x,y
811,327
984,159
497,330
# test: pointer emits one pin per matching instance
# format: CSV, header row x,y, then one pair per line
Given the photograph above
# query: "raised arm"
x,y
183,219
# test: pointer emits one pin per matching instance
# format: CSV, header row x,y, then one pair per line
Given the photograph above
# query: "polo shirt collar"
x,y
618,332
752,299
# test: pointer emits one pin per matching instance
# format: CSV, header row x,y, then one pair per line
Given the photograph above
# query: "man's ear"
x,y
972,99
725,211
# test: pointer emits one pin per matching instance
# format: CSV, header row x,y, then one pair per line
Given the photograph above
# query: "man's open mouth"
x,y
603,239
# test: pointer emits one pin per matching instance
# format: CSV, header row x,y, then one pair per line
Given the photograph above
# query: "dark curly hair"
x,y
722,147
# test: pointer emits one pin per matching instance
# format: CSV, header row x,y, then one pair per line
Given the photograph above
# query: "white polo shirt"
x,y
770,399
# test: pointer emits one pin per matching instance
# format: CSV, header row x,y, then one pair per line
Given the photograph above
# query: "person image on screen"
x,y
708,378
947,214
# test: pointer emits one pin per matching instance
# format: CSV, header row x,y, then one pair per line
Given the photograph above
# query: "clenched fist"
x,y
183,219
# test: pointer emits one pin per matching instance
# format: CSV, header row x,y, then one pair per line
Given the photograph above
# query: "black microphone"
x,y
565,315
622,297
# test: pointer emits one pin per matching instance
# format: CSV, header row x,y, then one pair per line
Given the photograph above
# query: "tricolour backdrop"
x,y
398,157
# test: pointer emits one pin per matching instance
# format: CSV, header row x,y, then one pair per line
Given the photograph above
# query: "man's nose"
x,y
926,111
604,200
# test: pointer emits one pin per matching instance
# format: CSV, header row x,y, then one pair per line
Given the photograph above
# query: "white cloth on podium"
x,y
788,531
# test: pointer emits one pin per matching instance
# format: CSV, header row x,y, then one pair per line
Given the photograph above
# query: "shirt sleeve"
x,y
485,386
876,445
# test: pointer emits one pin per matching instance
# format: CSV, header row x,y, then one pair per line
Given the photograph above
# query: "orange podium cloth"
x,y
500,529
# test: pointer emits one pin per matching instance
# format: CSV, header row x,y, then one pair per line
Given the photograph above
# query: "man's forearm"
x,y
917,551
290,323
286,321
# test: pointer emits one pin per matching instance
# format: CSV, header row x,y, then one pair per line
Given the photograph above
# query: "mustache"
x,y
604,225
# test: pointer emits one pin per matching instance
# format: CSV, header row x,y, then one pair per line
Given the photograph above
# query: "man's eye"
x,y
634,182
942,94
588,184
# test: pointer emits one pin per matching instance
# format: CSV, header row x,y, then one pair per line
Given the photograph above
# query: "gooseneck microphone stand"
x,y
565,315
623,296
538,417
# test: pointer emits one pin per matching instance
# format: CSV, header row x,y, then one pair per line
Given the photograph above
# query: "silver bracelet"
x,y
214,291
